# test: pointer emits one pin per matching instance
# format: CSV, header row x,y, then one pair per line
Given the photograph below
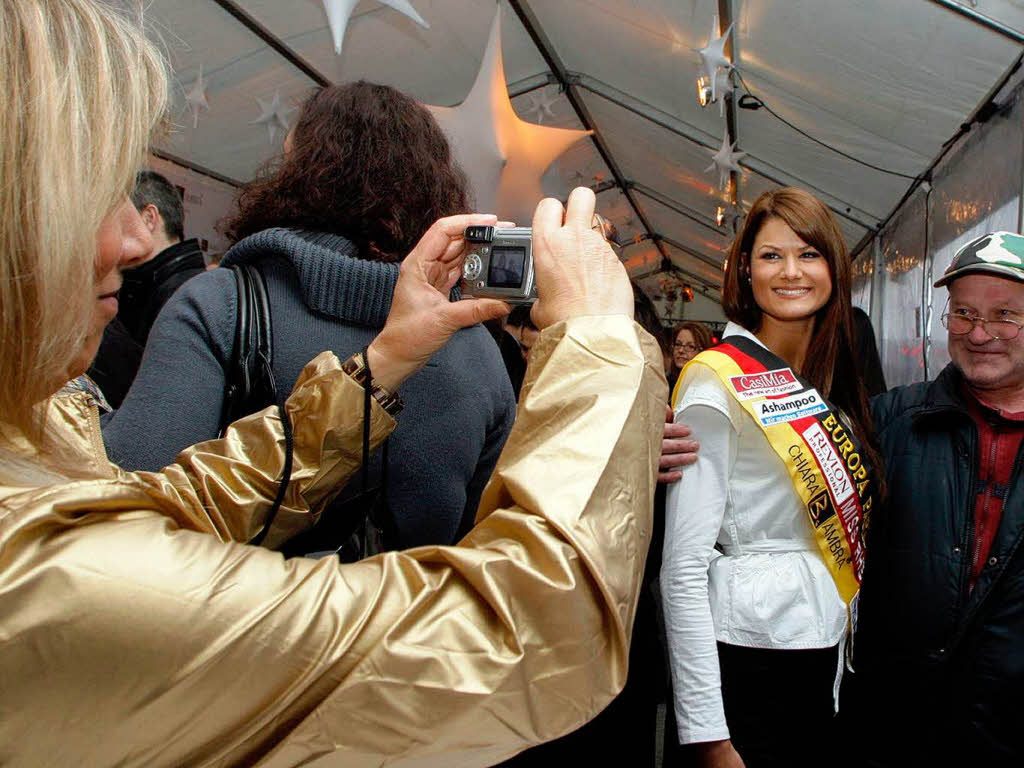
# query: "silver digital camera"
x,y
500,261
500,264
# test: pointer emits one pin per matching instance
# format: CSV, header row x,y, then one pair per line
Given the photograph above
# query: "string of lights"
x,y
759,103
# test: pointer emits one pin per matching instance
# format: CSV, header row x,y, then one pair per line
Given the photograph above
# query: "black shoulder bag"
x,y
353,529
250,377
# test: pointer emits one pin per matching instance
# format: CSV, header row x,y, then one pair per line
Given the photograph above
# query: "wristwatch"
x,y
355,367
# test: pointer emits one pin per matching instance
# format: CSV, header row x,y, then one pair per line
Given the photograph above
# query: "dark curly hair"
x,y
366,162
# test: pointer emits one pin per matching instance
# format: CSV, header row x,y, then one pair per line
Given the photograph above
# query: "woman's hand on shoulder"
x,y
676,451
718,754
422,319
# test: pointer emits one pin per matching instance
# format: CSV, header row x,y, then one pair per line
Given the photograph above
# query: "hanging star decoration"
x,y
712,58
540,105
722,86
340,11
725,159
274,116
505,157
195,98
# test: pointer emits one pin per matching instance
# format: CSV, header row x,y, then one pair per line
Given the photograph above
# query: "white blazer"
x,y
766,586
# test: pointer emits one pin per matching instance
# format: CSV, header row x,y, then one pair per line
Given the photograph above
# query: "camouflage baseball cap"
x,y
1000,254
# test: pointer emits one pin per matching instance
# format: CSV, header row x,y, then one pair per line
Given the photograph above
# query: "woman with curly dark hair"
x,y
363,161
365,171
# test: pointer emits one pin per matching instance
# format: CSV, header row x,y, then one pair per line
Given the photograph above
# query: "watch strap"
x,y
356,367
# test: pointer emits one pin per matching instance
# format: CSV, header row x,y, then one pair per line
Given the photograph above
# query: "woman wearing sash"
x,y
763,545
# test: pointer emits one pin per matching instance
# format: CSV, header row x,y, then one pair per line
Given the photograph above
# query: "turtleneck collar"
x,y
333,280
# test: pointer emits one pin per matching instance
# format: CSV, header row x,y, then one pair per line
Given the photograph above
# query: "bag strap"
x,y
250,384
350,527
239,378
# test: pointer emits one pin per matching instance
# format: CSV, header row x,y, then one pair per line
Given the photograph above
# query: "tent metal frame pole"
x,y
690,252
983,20
707,289
731,127
275,42
195,167
703,140
547,51
1020,208
878,288
677,207
531,84
604,186
710,284
953,141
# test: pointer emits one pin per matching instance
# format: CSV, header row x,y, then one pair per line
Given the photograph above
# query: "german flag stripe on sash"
x,y
824,458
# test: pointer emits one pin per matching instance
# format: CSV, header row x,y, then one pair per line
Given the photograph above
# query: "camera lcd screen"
x,y
506,269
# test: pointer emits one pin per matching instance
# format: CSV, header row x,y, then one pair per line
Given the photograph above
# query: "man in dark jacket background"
x,y
146,288
940,644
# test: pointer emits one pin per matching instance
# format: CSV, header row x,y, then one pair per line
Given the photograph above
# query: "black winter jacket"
x,y
940,667
145,290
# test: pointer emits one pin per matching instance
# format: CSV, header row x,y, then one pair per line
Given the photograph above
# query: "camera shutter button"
x,y
471,269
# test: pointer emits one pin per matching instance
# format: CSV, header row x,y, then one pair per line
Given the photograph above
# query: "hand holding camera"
x,y
565,264
508,263
576,270
422,318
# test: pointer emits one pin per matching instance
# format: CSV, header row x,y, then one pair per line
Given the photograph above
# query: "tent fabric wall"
x,y
974,190
903,257
978,191
863,274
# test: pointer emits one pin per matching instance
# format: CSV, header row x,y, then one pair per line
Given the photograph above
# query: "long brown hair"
x,y
830,365
367,162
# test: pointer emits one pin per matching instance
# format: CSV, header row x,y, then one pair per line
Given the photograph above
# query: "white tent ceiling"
x,y
886,81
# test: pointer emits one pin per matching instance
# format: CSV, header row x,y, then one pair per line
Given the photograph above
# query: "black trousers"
x,y
778,705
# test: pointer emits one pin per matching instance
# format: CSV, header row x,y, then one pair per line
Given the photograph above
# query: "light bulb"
x,y
703,91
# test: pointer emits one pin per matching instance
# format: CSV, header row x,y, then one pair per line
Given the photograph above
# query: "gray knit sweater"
x,y
458,409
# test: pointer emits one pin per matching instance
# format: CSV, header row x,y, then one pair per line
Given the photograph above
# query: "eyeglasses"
x,y
686,347
961,325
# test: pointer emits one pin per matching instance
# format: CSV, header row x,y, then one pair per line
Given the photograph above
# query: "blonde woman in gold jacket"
x,y
137,627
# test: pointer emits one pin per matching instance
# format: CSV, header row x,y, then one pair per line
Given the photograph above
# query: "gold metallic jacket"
x,y
135,629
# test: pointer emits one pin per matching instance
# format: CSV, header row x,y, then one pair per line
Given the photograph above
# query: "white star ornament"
x,y
721,87
339,12
274,117
196,97
540,105
712,58
503,156
725,159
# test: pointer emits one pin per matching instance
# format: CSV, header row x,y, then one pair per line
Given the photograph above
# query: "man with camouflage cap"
x,y
939,649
